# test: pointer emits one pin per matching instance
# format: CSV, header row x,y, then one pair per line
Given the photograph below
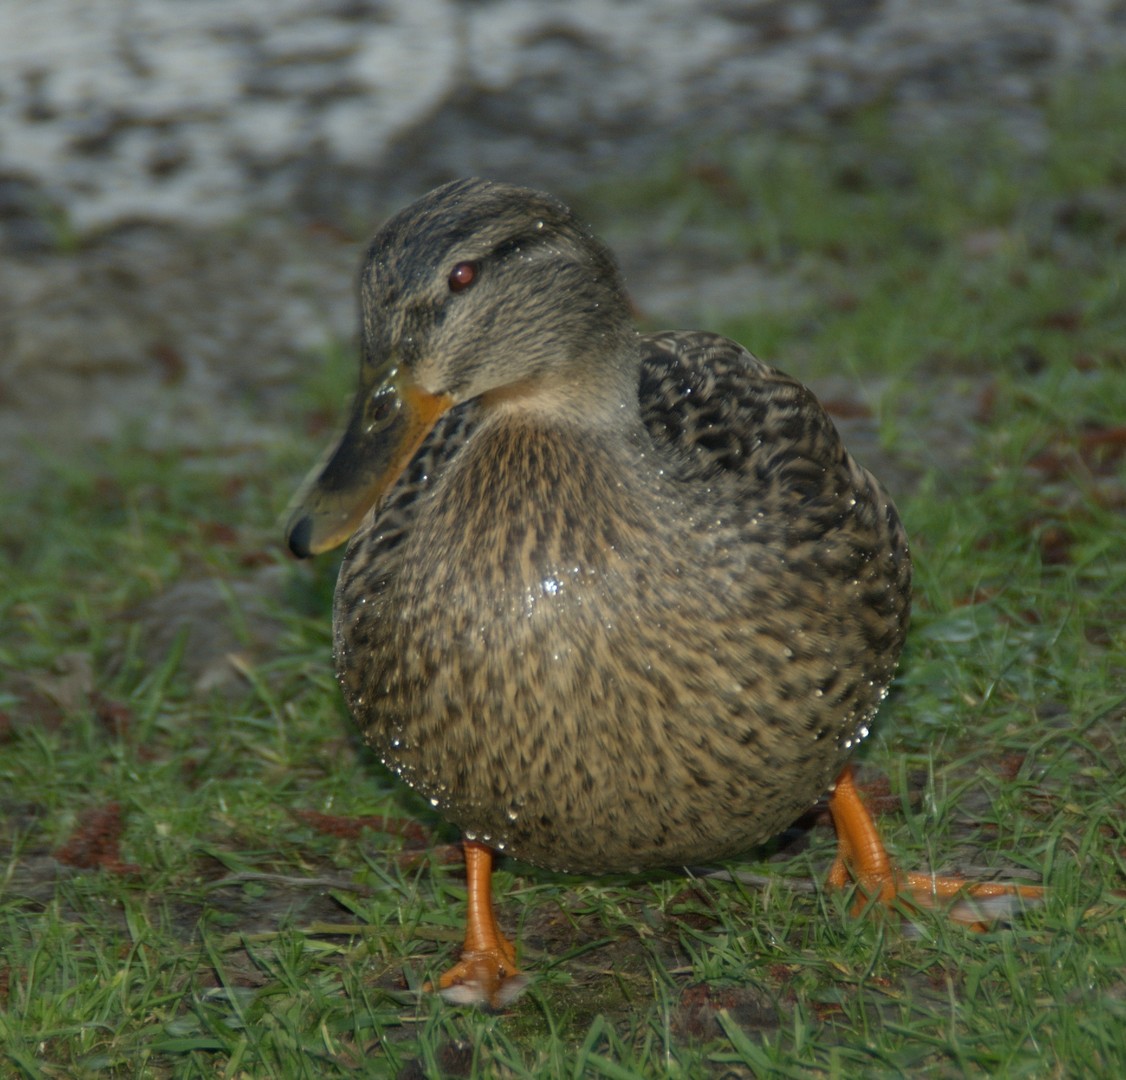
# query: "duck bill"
x,y
385,429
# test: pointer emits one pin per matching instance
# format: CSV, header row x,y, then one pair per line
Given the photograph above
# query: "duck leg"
x,y
861,855
486,974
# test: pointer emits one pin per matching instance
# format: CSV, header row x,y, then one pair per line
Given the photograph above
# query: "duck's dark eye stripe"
x,y
509,247
462,276
518,245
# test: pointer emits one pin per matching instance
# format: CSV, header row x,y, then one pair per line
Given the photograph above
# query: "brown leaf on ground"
x,y
115,717
218,533
1008,767
695,1015
443,854
170,362
693,907
1066,319
719,180
846,409
1102,449
349,828
985,408
1055,542
1098,451
95,843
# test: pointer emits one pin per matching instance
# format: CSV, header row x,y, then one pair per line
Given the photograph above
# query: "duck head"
x,y
478,290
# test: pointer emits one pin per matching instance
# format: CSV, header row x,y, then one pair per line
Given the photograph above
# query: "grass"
x,y
218,880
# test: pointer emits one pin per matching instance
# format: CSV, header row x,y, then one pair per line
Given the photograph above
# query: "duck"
x,y
611,601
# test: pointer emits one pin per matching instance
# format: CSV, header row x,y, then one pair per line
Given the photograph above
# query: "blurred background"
x,y
184,185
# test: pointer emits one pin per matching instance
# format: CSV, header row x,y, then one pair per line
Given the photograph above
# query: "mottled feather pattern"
x,y
607,652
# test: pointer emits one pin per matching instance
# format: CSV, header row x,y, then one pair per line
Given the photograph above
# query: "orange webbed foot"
x,y
486,974
486,977
861,856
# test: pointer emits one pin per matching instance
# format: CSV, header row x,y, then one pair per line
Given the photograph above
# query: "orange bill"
x,y
386,428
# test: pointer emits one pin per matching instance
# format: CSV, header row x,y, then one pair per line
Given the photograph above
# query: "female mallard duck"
x,y
611,601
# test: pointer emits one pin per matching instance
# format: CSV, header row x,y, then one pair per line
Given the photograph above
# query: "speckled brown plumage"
x,y
631,603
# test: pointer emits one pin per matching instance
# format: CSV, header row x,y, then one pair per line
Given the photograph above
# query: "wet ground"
x,y
210,113
183,188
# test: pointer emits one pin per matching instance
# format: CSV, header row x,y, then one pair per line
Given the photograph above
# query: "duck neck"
x,y
599,391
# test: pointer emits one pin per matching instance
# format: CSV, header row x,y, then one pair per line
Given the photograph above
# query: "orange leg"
x,y
486,974
861,855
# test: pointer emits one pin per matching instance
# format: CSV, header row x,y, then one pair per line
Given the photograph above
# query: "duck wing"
x,y
762,436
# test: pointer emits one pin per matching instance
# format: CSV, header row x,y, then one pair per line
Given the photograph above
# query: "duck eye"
x,y
462,276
